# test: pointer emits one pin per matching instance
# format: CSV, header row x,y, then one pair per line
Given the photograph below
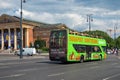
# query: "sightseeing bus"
x,y
70,47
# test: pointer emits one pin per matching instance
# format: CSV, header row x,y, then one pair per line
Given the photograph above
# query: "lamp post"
x,y
21,31
115,28
89,19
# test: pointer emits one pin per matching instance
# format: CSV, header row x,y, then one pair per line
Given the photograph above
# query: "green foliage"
x,y
39,44
104,35
31,45
117,42
45,49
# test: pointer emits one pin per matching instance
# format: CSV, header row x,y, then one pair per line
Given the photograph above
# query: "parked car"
x,y
26,51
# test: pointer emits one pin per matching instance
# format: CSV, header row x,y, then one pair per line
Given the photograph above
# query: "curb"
x,y
42,54
7,58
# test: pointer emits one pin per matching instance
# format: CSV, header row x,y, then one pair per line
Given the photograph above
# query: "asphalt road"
x,y
43,69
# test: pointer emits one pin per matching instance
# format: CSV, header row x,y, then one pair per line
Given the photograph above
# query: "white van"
x,y
27,51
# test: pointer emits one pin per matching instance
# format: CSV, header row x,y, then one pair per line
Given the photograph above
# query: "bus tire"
x,y
81,59
100,58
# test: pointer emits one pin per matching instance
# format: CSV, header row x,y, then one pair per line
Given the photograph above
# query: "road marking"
x,y
114,64
94,67
111,77
1,64
57,74
19,62
31,69
92,63
10,76
117,66
4,67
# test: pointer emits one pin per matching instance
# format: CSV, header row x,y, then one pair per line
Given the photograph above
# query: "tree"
x,y
117,42
39,44
104,35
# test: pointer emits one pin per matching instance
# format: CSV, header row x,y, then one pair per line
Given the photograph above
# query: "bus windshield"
x,y
58,39
104,48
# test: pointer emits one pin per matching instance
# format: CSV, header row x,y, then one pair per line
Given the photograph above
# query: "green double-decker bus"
x,y
70,47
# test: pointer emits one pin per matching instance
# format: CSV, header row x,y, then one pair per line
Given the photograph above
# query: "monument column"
x,y
2,38
15,39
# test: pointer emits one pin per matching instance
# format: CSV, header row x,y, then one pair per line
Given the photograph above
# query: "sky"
x,y
73,13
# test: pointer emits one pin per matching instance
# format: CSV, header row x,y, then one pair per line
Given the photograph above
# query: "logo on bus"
x,y
81,39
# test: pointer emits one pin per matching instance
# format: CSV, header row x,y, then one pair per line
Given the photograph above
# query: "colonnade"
x,y
10,38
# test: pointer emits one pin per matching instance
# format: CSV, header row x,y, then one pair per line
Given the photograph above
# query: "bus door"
x,y
88,52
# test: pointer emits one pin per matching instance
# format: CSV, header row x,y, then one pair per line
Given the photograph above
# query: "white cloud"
x,y
44,17
70,19
63,11
113,13
5,5
9,4
100,24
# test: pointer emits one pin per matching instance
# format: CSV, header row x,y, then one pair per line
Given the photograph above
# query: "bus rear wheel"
x,y
81,59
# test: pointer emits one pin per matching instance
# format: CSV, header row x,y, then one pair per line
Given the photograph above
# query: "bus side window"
x,y
79,48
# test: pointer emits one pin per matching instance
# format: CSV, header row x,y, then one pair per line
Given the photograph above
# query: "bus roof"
x,y
74,36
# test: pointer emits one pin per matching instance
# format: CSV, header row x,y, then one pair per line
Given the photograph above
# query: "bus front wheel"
x,y
81,59
100,58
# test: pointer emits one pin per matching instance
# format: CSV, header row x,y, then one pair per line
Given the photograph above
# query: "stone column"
x,y
15,39
9,39
26,38
2,39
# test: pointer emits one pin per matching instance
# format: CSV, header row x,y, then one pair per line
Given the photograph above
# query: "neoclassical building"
x,y
10,31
